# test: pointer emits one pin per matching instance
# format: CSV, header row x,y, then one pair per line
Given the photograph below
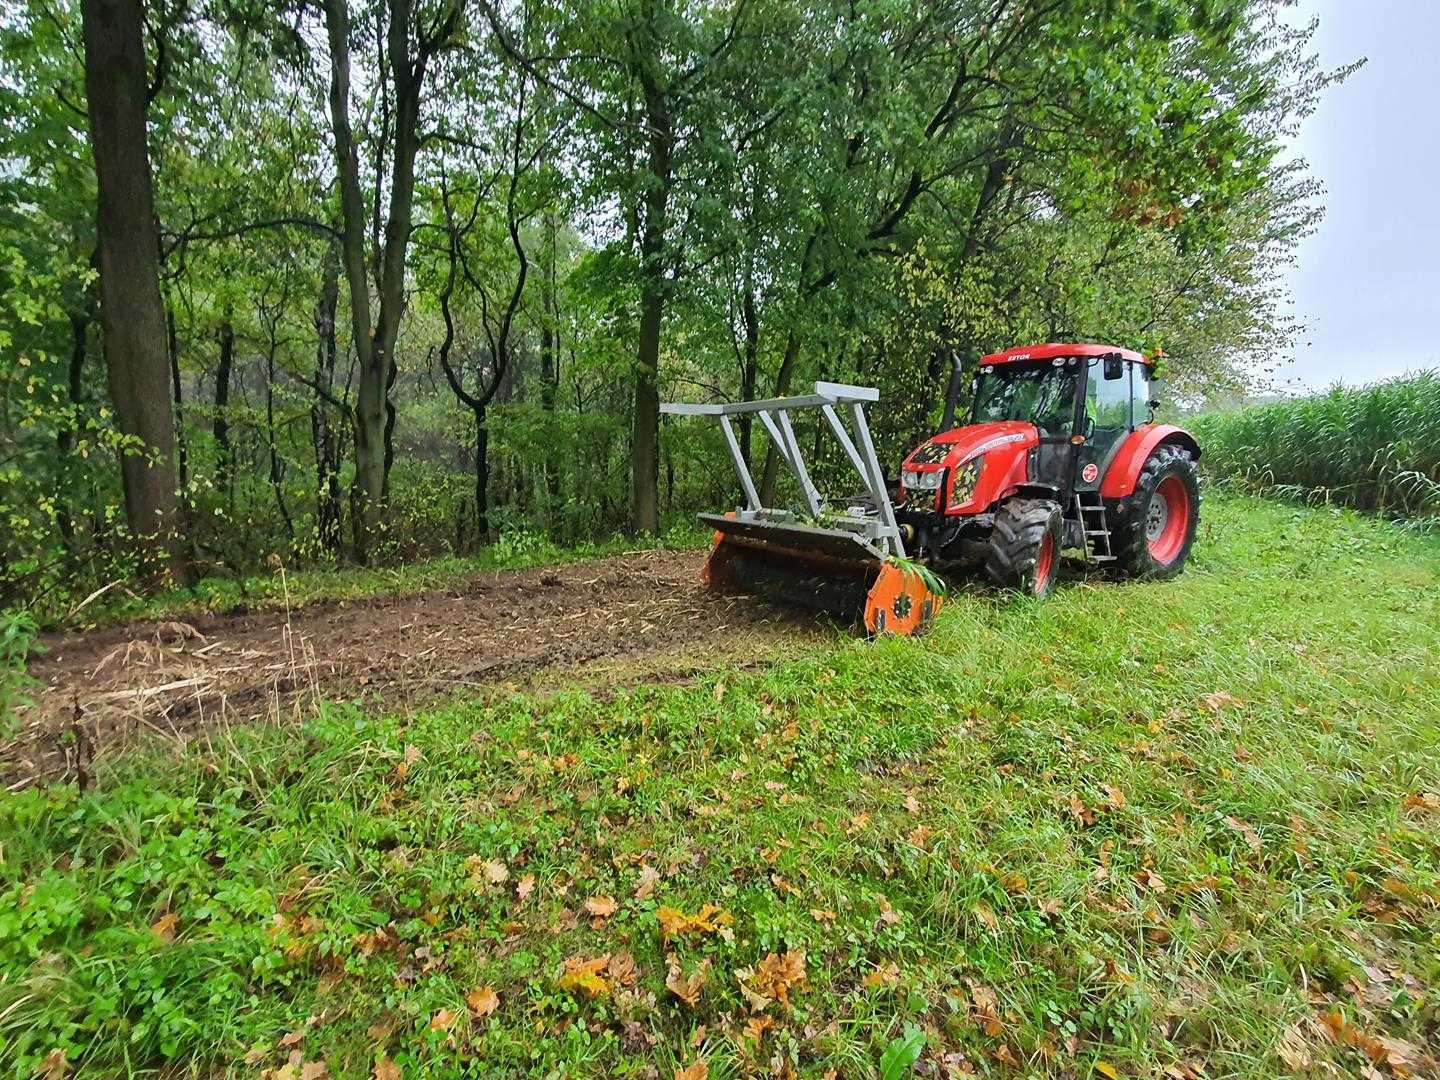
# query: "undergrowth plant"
x,y
17,641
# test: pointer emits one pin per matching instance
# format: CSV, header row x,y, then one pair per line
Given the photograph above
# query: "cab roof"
x,y
1049,352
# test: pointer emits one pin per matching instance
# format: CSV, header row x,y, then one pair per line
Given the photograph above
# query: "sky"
x,y
1368,282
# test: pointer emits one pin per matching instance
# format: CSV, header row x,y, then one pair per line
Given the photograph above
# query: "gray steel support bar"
x,y
747,482
877,480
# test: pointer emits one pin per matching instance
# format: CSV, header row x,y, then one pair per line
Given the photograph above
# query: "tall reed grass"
x,y
1374,448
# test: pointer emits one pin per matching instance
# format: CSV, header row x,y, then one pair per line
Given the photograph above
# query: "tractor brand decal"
x,y
1090,472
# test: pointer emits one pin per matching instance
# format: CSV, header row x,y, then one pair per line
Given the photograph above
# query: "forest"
x,y
358,282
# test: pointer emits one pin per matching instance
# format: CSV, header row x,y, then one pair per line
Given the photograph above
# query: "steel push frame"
x,y
877,534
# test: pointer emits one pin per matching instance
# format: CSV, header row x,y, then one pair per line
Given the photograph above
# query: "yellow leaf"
x,y
584,975
164,927
708,920
482,1001
1104,1068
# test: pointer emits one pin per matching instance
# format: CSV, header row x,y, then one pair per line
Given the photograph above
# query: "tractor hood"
x,y
999,452
962,444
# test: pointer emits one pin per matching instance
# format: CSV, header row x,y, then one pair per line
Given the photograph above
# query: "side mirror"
x,y
1114,367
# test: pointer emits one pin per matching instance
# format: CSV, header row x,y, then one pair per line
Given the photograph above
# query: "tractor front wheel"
x,y
1155,531
1025,545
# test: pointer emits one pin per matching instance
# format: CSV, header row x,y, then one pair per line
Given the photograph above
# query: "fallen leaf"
x,y
1115,798
920,836
164,927
986,1008
292,1038
708,920
443,1020
582,974
697,1070
756,1026
55,1065
385,1069
1294,1048
720,690
482,1001
649,878
1080,811
1104,1068
912,804
621,969
778,974
687,987
1424,803
314,1070
600,909
524,887
496,871
1151,879
1218,700
885,975
820,915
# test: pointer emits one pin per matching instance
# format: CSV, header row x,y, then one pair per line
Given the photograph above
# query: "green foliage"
x,y
1135,824
17,641
1374,447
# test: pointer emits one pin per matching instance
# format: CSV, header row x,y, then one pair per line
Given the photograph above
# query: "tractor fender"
x,y
1124,471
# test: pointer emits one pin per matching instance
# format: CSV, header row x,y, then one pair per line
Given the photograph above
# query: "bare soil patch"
x,y
601,623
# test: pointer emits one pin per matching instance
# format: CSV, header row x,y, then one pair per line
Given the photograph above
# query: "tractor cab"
x,y
1082,403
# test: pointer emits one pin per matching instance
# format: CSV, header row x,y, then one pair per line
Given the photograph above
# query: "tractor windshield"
x,y
1040,394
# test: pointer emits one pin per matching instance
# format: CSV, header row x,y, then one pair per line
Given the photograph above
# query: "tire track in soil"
x,y
599,623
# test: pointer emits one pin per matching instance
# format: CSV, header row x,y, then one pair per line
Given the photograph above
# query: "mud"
x,y
600,623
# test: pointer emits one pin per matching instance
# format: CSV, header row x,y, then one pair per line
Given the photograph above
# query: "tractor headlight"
x,y
966,478
914,480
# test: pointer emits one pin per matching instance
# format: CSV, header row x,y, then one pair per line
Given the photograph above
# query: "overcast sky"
x,y
1368,282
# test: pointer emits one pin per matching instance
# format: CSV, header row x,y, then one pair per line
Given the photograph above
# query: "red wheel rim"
x,y
1167,520
1045,562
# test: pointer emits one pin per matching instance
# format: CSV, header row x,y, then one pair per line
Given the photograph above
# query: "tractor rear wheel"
x,y
1025,545
1154,533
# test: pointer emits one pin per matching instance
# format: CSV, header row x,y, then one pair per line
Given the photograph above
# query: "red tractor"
x,y
1061,454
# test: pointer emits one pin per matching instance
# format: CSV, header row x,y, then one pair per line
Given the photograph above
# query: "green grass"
x,y
221,593
1371,447
1138,827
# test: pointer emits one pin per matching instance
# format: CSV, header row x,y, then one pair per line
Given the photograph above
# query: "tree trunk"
x,y
369,425
645,433
132,314
277,466
322,434
482,477
550,367
172,348
750,360
221,426
65,434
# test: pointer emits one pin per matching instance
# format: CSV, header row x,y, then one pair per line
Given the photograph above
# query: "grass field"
x,y
1181,829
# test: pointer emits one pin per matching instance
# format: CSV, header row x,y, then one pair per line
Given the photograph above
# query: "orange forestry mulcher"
x,y
1061,454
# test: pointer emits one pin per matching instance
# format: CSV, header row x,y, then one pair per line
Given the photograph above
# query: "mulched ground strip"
x,y
103,688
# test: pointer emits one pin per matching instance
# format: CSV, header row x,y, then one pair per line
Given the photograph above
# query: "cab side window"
x,y
1140,393
1107,401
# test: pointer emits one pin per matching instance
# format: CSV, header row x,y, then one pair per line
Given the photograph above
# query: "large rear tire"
x,y
1025,545
1155,532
